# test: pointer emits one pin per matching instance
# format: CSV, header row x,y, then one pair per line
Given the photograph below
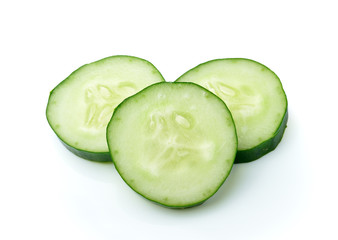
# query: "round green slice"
x,y
255,97
80,107
173,143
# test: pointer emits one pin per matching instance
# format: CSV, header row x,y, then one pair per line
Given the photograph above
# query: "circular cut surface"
x,y
174,143
80,107
252,92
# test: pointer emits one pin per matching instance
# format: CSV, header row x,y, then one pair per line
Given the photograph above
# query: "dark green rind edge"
x,y
249,155
92,156
267,146
154,201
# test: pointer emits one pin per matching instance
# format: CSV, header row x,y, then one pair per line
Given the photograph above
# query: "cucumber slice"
x,y
173,143
255,97
80,107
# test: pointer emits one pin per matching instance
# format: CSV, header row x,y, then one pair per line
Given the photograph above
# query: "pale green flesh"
x,y
252,92
80,108
173,143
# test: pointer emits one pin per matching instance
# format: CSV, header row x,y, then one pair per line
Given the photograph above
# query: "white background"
x,y
46,192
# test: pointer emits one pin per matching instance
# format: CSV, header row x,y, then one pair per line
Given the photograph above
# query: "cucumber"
x,y
255,97
80,107
173,143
